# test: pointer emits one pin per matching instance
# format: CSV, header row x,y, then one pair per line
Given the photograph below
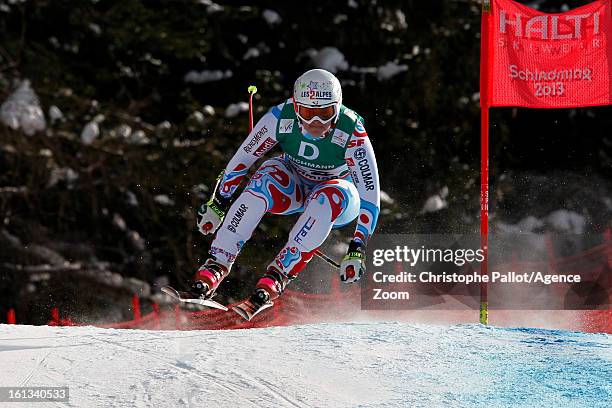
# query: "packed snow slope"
x,y
322,365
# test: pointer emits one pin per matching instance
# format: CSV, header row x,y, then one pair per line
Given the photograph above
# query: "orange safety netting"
x,y
343,303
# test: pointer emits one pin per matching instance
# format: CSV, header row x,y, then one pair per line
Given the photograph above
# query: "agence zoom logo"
x,y
359,153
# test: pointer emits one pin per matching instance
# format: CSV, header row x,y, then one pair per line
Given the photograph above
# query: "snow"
x,y
90,132
134,237
383,72
527,224
328,58
137,241
163,128
234,109
401,19
62,174
196,118
200,191
139,137
365,70
22,110
567,221
119,222
389,70
251,53
54,42
55,114
560,220
340,18
386,198
208,110
211,6
124,131
207,76
7,7
436,202
271,17
131,199
163,199
95,28
322,365
433,204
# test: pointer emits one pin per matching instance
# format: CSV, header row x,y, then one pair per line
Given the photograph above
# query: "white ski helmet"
x,y
317,95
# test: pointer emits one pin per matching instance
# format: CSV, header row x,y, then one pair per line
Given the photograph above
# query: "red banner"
x,y
540,60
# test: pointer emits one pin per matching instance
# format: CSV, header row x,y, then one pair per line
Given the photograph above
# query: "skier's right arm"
x,y
261,139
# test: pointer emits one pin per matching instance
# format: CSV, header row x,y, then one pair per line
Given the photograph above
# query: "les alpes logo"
x,y
316,90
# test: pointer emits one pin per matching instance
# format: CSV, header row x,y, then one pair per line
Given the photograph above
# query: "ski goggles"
x,y
309,115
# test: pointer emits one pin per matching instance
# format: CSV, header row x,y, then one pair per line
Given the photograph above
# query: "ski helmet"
x,y
317,95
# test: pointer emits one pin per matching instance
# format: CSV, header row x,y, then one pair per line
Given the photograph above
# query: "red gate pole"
x,y
484,215
485,85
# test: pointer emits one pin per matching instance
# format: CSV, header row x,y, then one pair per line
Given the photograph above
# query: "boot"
x,y
269,287
208,277
273,283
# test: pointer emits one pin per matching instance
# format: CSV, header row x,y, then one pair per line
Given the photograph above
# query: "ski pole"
x,y
327,259
252,91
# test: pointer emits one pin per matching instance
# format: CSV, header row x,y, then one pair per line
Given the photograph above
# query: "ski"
x,y
186,297
248,310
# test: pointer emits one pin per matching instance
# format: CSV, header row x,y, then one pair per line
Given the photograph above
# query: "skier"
x,y
327,171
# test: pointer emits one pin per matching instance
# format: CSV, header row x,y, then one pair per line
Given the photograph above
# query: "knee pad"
x,y
274,183
342,197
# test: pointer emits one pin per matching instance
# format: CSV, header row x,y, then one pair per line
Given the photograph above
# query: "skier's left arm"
x,y
361,161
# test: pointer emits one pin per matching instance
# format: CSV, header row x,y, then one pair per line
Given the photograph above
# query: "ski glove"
x,y
211,214
353,263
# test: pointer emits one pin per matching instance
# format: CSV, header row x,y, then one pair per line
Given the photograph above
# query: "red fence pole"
x,y
177,316
136,306
514,259
335,287
10,316
55,319
608,241
550,250
157,316
275,316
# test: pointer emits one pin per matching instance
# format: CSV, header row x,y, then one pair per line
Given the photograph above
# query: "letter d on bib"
x,y
314,151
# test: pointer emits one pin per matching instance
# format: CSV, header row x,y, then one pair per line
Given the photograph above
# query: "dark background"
x,y
77,243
